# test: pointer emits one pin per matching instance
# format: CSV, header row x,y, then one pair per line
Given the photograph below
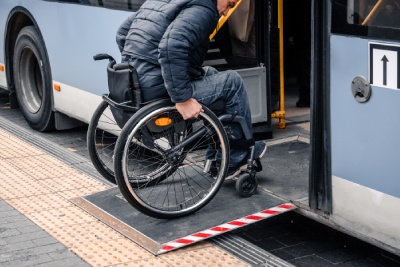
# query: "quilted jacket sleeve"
x,y
123,31
190,29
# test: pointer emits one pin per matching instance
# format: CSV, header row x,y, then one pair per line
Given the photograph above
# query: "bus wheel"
x,y
32,79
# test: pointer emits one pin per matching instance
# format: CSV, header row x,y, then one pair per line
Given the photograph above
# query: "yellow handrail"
x,y
223,19
372,14
281,112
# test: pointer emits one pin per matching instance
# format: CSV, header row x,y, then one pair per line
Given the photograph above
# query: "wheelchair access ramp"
x,y
226,212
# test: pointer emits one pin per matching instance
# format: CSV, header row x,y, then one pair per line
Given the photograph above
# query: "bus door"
x,y
357,65
241,43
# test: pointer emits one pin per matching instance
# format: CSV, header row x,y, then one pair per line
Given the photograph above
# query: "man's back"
x,y
167,40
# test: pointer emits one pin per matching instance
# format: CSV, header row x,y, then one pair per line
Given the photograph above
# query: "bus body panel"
x,y
368,214
5,8
365,148
77,69
365,136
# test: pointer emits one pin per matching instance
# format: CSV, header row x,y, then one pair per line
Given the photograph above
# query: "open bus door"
x,y
320,196
354,131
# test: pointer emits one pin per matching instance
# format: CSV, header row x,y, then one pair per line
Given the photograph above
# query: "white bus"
x,y
353,185
46,59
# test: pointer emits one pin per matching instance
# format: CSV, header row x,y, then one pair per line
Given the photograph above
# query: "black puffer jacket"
x,y
168,41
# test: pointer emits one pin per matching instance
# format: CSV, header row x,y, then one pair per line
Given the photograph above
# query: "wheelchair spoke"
x,y
164,164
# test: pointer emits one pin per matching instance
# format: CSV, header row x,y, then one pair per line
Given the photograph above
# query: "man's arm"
x,y
183,36
123,31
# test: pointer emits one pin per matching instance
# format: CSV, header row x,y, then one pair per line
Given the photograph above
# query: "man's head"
x,y
224,6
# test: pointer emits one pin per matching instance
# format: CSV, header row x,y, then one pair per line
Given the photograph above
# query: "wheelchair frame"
x,y
131,134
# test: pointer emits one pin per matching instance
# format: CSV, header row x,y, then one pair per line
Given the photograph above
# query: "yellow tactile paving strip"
x,y
41,187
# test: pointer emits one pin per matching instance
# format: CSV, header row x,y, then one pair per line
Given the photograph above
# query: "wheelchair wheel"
x,y
164,165
246,185
102,135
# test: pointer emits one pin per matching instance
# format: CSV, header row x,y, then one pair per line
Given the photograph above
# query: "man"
x,y
167,41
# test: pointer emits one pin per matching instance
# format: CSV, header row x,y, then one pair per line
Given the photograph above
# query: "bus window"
x,y
377,13
129,5
370,18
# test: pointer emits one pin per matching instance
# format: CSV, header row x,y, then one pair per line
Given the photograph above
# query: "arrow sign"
x,y
385,61
384,66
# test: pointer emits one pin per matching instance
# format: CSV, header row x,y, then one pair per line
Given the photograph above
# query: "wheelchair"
x,y
164,166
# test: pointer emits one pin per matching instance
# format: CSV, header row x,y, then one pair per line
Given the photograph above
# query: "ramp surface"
x,y
226,212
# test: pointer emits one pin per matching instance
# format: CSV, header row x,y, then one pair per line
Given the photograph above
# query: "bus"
x,y
47,59
352,183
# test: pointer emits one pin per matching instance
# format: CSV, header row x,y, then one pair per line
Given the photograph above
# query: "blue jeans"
x,y
228,86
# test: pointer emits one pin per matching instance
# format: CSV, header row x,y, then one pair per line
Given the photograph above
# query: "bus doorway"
x,y
256,45
287,167
290,59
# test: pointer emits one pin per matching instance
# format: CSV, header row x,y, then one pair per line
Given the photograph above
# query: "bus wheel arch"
x,y
29,73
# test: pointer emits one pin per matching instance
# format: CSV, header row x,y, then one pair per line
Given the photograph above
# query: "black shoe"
x,y
260,149
232,171
303,103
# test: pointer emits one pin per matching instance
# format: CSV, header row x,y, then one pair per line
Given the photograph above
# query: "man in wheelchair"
x,y
166,42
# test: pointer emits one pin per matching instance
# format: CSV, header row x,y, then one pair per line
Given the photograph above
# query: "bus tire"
x,y
33,82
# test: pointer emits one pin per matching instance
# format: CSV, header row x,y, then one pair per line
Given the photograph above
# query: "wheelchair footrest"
x,y
257,165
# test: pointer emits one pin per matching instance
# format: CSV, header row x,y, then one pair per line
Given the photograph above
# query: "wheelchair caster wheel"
x,y
246,185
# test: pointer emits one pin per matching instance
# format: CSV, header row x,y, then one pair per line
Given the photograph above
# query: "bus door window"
x,y
377,13
373,19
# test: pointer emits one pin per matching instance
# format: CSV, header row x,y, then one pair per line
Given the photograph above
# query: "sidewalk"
x,y
39,226
23,243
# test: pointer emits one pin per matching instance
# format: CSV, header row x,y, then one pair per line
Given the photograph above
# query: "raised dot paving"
x,y
57,232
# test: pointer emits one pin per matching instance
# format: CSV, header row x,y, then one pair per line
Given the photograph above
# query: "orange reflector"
x,y
163,121
1,68
57,87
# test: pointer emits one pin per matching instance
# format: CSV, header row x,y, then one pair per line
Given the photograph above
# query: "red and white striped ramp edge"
x,y
226,227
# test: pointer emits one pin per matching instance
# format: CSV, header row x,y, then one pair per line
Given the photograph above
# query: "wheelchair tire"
x,y
246,185
161,171
102,136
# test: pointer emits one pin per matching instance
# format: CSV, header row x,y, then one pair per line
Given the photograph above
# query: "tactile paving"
x,y
211,256
12,147
156,262
78,235
46,171
24,186
39,203
8,171
110,252
41,186
71,181
36,162
60,217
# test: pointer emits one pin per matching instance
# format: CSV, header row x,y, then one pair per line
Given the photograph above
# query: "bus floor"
x,y
286,164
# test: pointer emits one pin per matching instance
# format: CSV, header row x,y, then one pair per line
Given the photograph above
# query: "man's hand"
x,y
189,109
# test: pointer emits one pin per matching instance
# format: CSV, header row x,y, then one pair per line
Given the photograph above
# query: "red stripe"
x,y
203,235
167,247
237,223
269,211
253,217
219,229
285,206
